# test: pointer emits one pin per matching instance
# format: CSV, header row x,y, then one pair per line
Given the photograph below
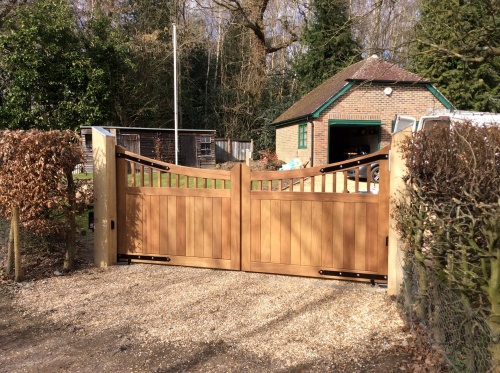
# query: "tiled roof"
x,y
371,69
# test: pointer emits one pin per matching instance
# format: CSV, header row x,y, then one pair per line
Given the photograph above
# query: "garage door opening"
x,y
348,141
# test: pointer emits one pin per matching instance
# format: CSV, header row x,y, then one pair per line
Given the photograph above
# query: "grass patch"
x,y
83,176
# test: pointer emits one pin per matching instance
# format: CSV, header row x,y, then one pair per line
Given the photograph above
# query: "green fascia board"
x,y
294,121
439,97
354,122
334,98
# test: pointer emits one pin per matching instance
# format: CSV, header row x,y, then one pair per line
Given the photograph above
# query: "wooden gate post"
x,y
397,185
105,214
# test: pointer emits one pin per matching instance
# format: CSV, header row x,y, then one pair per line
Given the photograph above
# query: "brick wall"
x,y
362,102
287,143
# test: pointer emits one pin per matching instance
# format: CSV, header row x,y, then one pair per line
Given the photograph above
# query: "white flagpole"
x,y
176,114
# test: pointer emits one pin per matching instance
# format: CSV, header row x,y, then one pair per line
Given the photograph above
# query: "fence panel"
x,y
229,150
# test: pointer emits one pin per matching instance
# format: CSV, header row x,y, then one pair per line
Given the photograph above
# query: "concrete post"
x,y
398,170
105,214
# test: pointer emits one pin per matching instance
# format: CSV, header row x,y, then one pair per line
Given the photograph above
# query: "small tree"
x,y
36,175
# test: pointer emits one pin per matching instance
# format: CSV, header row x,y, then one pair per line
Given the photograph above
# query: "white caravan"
x,y
445,117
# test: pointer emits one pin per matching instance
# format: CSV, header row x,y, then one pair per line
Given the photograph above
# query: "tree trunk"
x,y
9,267
493,320
17,249
69,257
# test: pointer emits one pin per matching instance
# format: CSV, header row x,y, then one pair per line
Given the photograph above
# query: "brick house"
x,y
353,111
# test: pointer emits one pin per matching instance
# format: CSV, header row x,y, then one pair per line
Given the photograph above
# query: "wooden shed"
x,y
196,147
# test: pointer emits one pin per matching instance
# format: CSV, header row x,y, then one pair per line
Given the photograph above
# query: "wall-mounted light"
x,y
388,91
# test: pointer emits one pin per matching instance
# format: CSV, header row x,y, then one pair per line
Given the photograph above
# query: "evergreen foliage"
x,y
48,81
329,44
447,36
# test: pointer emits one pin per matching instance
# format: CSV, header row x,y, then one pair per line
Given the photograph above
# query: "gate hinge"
x,y
152,258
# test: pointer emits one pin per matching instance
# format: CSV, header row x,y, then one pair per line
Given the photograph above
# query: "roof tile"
x,y
371,69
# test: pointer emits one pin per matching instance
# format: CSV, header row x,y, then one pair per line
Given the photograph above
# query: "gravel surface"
x,y
165,318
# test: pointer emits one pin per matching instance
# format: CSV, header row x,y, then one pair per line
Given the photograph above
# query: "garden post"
x,y
105,207
397,185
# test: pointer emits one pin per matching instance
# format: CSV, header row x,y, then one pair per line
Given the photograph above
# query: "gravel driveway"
x,y
162,319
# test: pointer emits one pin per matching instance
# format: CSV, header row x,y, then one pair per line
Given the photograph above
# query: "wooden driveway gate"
x,y
311,222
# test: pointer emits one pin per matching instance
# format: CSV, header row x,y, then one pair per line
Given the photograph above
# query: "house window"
x,y
303,136
206,145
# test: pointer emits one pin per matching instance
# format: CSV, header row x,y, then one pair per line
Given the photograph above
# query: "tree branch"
x,y
487,52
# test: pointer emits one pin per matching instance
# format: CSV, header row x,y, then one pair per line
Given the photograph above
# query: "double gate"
x,y
319,222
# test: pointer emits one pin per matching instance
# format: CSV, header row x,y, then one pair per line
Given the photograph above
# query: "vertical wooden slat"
x,y
290,187
323,183
236,217
280,185
265,231
163,225
207,227
306,233
349,236
356,180
286,233
142,175
316,219
246,218
360,236
217,228
134,233
177,180
334,182
151,181
296,211
181,226
312,183
190,226
146,228
301,184
338,235
172,226
327,235
275,231
344,174
371,237
154,219
255,233
226,228
198,223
